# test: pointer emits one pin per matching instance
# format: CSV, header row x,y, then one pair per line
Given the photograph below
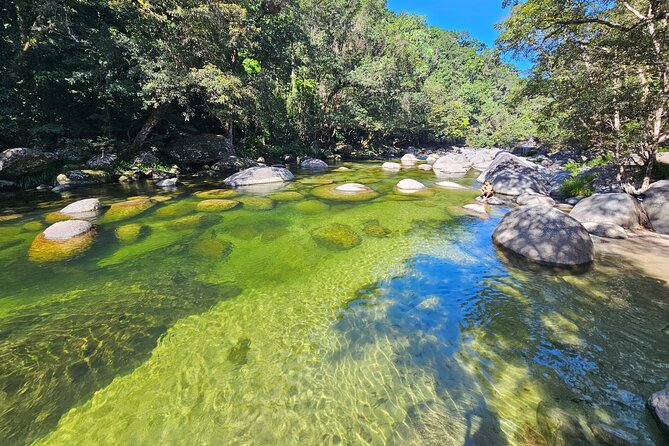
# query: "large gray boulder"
x,y
619,209
313,164
514,183
531,199
232,164
14,163
259,175
103,161
656,204
658,404
452,163
517,170
66,230
545,235
606,230
199,150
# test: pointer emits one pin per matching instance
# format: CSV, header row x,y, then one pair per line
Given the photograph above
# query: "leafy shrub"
x,y
579,186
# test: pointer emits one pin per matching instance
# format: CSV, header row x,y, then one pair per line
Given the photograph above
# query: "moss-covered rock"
x,y
33,226
316,181
161,198
130,233
175,210
217,193
189,222
216,205
374,229
128,209
311,207
257,203
336,192
138,197
9,217
287,196
55,217
45,250
211,248
336,237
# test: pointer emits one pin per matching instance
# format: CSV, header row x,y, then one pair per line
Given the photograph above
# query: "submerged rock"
x,y
619,209
129,233
656,203
211,248
425,167
477,209
658,404
336,237
175,210
545,235
128,209
217,193
374,229
216,205
257,203
311,207
287,196
345,192
188,222
259,175
611,436
560,428
62,241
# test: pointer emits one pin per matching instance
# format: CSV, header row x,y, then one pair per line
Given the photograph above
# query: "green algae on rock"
x,y
128,209
257,203
10,217
336,237
189,222
316,181
286,196
175,210
374,229
33,226
216,205
211,248
55,217
130,233
311,207
217,193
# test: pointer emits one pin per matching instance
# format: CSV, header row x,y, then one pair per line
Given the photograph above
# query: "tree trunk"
x,y
147,128
230,133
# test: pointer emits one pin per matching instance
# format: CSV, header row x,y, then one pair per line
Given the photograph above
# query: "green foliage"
x,y
274,76
579,186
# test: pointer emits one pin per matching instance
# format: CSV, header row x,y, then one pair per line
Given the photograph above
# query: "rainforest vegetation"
x,y
292,75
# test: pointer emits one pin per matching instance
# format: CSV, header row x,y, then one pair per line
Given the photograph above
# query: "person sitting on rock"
x,y
486,191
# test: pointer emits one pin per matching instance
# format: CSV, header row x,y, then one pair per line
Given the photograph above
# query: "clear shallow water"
x,y
243,329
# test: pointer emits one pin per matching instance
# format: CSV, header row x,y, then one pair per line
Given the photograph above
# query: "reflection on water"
x,y
241,327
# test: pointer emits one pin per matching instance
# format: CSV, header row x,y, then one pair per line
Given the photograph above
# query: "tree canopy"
x,y
266,73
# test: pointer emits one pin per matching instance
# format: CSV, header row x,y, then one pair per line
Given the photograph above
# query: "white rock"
x,y
353,187
452,163
169,182
450,185
65,230
391,166
476,208
259,175
87,206
409,185
532,199
409,158
425,167
431,159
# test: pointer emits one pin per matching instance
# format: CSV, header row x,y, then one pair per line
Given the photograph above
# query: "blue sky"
x,y
478,17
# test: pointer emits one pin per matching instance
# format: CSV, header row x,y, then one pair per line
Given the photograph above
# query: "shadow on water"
x,y
498,337
55,355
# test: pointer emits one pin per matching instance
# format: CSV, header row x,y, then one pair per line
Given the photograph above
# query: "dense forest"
x,y
270,75
304,76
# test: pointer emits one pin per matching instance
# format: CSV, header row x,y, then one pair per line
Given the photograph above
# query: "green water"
x,y
248,327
